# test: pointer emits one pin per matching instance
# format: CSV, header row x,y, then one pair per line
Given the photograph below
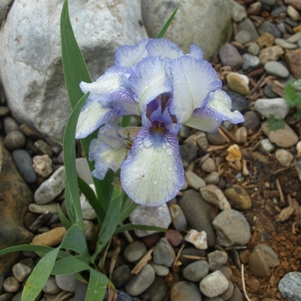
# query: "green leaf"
x,y
166,25
125,121
64,220
129,227
275,124
69,265
128,207
97,287
291,96
39,275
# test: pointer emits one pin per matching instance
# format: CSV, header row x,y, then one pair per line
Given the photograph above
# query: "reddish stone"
x,y
174,237
293,60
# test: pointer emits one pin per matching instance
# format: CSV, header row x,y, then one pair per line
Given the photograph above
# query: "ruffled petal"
x,y
126,55
220,104
193,80
196,52
163,48
153,171
148,81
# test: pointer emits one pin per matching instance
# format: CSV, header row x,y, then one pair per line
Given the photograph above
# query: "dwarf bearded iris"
x,y
165,88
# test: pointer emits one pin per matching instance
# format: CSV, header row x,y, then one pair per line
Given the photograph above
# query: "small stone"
x,y
232,228
40,147
269,254
213,195
215,138
239,102
250,61
293,60
266,146
51,187
248,25
217,259
212,178
184,290
237,295
174,237
253,49
258,265
208,165
226,271
198,239
293,13
243,37
234,153
202,141
42,165
238,197
158,216
214,284
270,54
268,27
4,111
24,165
11,285
134,251
121,275
265,40
193,180
229,56
284,157
268,92
278,10
196,271
238,83
188,152
178,218
159,269
14,140
35,208
51,287
191,251
290,286
51,238
254,8
67,282
9,125
164,253
30,132
252,120
238,12
282,137
294,38
276,69
228,292
157,290
284,44
21,271
140,282
253,284
241,135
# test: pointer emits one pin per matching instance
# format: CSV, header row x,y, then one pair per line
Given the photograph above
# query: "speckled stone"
x,y
184,290
229,56
290,286
214,284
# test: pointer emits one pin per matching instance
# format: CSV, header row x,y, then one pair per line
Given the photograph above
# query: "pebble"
x,y
202,141
213,195
214,284
196,270
157,291
212,178
290,286
4,111
208,165
250,61
284,157
164,253
278,10
30,132
193,180
237,295
140,282
40,147
293,13
268,92
252,120
188,153
193,252
67,282
232,228
238,197
276,69
238,12
81,291
35,208
51,238
21,271
248,25
14,140
226,271
134,251
215,138
269,27
258,265
24,165
239,102
184,290
275,106
293,61
9,125
174,237
284,44
51,187
178,218
241,135
158,216
159,269
266,146
253,49
42,165
282,137
238,83
265,40
198,239
51,287
243,37
269,254
121,275
268,2
217,259
199,213
87,210
11,285
294,38
228,292
270,54
281,27
229,56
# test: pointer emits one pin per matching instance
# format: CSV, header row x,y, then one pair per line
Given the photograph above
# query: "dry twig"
x,y
280,191
243,282
143,261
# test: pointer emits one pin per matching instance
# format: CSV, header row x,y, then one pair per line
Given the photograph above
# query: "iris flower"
x,y
165,88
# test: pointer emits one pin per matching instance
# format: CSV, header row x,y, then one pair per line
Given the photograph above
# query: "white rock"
x,y
273,106
87,210
213,195
42,165
30,61
194,180
198,239
284,157
51,187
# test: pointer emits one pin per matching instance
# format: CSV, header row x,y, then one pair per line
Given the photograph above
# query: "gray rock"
x,y
188,152
248,25
30,132
267,26
266,146
9,125
11,285
253,48
178,218
184,290
212,178
226,295
281,27
243,37
196,270
14,140
51,187
24,165
31,68
164,253
21,271
214,30
214,284
252,120
284,44
51,287
217,259
250,61
232,228
121,275
215,138
284,157
140,282
67,282
269,254
159,269
290,286
278,10
157,290
238,12
269,93
158,216
199,213
40,147
268,2
134,251
193,180
80,292
229,56
294,38
258,266
239,102
275,106
276,69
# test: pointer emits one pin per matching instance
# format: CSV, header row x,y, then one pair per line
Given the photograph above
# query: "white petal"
x,y
196,52
163,48
204,123
153,171
193,80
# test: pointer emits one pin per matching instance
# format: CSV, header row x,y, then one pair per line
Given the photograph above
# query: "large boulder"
x,y
202,22
30,61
